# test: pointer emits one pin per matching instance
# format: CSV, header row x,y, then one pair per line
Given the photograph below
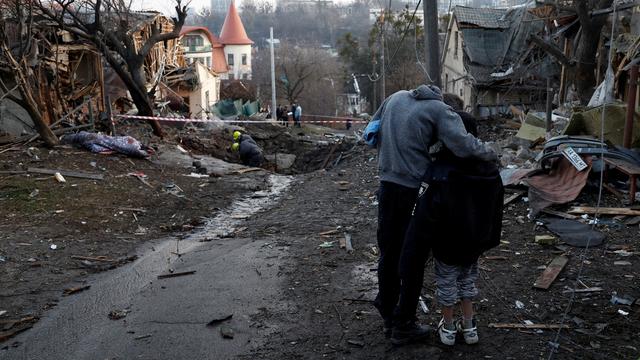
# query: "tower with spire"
x,y
237,46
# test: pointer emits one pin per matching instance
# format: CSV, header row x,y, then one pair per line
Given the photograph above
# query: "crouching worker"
x,y
250,152
458,215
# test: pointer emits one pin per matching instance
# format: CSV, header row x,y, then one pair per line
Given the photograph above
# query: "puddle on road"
x,y
229,220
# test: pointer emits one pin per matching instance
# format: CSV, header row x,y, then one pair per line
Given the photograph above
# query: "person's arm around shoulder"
x,y
452,133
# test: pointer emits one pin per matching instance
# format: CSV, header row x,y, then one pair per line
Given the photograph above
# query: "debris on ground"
x,y
551,272
118,314
176,274
217,321
75,290
227,332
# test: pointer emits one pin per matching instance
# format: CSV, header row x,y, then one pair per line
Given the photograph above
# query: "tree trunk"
x,y
28,101
136,87
140,96
584,75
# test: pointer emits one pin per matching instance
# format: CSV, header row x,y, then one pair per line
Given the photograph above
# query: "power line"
x,y
555,344
404,32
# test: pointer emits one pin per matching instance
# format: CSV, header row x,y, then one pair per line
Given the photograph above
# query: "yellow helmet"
x,y
235,146
236,135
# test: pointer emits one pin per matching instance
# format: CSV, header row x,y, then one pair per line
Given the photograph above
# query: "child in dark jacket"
x,y
458,216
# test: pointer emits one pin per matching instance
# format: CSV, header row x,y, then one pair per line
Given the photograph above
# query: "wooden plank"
x,y
326,160
614,191
243,171
560,214
512,197
68,173
625,167
527,326
587,290
603,211
551,273
165,276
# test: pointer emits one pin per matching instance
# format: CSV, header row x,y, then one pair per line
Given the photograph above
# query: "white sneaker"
x,y
448,337
470,334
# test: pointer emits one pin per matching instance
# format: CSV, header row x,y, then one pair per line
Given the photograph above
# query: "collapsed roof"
x,y
496,44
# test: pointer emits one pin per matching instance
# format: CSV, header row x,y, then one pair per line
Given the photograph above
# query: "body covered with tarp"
x,y
100,143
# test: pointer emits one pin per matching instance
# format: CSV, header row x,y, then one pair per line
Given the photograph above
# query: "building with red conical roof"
x,y
237,46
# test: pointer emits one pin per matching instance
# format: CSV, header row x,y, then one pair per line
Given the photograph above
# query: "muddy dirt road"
x,y
276,264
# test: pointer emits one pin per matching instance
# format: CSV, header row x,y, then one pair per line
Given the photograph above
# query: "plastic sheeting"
x,y
574,232
230,108
561,185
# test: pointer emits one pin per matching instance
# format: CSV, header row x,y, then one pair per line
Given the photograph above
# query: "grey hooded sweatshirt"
x,y
412,121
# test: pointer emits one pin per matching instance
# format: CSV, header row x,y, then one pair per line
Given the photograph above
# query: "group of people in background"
x,y
283,113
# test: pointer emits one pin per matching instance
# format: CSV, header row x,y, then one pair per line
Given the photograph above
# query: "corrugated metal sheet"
x,y
482,17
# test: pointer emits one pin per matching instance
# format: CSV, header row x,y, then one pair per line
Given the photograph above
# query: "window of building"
x,y
206,96
209,61
245,76
193,40
231,77
244,59
230,59
456,44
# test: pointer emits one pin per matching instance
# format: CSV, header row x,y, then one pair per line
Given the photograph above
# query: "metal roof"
x,y
482,17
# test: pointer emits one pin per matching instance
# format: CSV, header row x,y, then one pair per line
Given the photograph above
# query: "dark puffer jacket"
x,y
250,152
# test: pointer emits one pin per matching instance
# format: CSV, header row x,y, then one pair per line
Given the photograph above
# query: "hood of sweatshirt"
x,y
427,92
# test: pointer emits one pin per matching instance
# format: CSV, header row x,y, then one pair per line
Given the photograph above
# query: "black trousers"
x,y
397,296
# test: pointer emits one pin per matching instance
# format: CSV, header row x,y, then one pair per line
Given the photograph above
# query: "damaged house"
x,y
488,59
189,88
65,79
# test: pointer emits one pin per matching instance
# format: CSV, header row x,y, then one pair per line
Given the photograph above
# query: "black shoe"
x,y
409,332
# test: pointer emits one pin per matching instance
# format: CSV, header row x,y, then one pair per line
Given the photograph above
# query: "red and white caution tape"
x,y
157,118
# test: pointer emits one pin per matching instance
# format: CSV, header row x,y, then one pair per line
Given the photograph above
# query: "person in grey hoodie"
x,y
410,123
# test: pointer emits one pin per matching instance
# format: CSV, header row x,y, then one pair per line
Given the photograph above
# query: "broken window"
x,y
244,59
230,59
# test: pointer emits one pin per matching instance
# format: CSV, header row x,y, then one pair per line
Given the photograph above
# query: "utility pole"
x,y
273,77
382,65
431,40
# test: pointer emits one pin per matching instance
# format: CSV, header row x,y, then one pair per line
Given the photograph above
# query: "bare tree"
x,y
108,25
18,65
309,76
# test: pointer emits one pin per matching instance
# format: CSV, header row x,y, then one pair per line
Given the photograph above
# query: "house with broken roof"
x,y
189,86
489,62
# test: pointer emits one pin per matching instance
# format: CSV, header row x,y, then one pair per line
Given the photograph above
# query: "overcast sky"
x,y
168,5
